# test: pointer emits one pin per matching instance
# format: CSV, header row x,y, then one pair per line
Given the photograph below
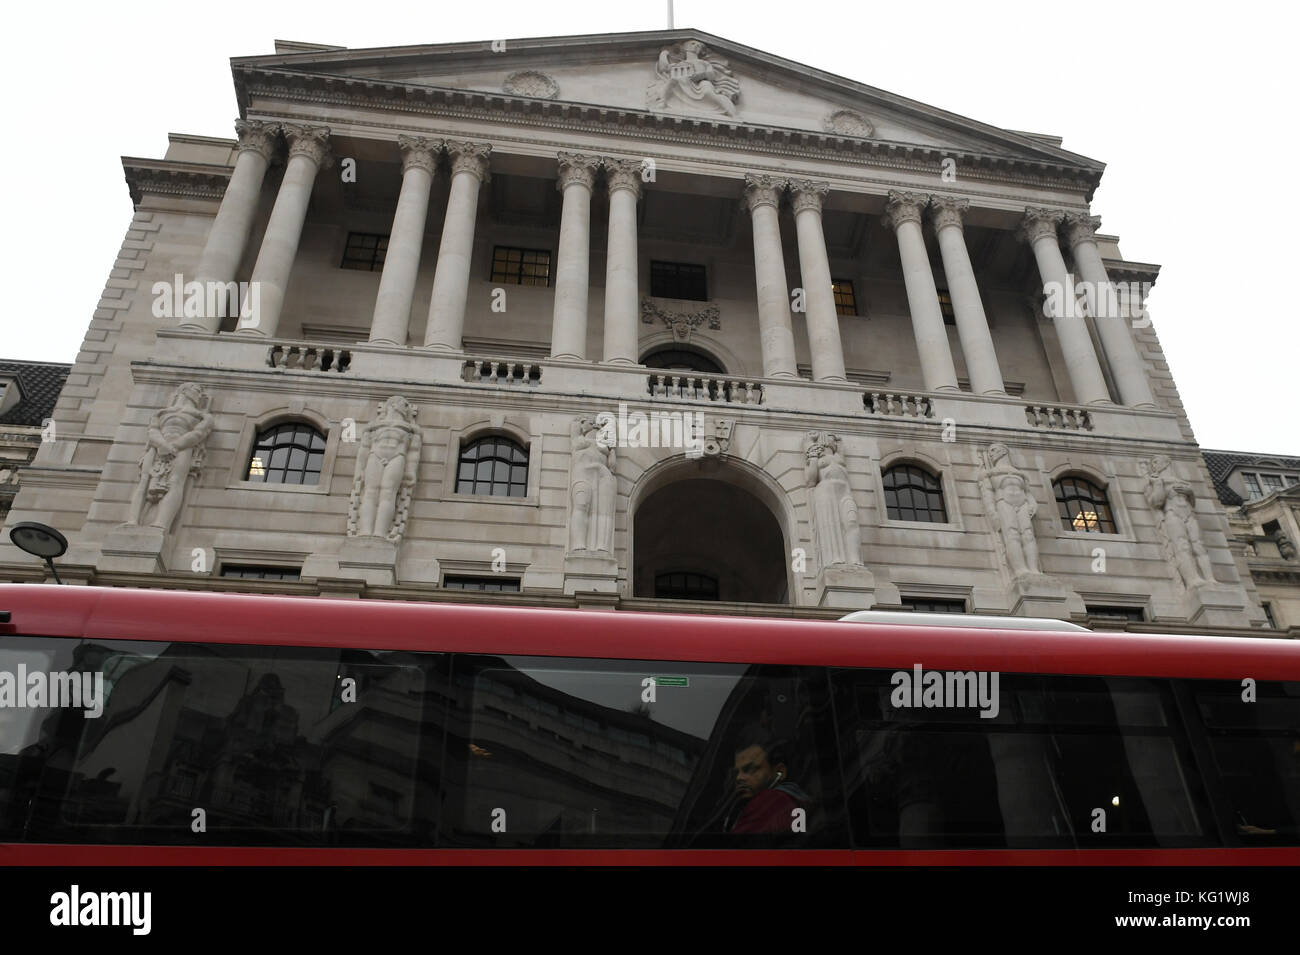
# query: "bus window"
x,y
571,753
225,744
1254,745
955,760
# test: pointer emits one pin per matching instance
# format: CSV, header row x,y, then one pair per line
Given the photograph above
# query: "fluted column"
x,y
309,152
572,265
903,214
228,237
622,300
1125,362
469,169
775,334
946,213
392,316
1039,228
815,273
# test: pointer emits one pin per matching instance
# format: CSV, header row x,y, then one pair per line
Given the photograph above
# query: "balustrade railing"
x,y
704,388
498,371
1059,418
309,358
897,404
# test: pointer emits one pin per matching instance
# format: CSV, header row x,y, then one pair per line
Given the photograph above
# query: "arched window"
x,y
1083,506
914,494
289,453
684,359
493,465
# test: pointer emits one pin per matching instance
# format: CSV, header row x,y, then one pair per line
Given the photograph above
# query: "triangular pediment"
x,y
676,73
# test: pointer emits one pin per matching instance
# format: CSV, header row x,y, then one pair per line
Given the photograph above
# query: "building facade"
x,y
28,392
637,320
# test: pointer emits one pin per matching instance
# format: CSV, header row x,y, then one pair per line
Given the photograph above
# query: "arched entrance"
x,y
705,531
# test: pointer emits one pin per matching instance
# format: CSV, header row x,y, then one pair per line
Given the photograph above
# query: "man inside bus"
x,y
768,798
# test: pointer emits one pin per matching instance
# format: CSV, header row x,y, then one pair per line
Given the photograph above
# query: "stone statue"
x,y
1011,507
593,489
833,513
387,462
174,451
1174,503
688,75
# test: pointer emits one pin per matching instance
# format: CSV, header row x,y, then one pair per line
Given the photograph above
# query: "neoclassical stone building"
x,y
637,320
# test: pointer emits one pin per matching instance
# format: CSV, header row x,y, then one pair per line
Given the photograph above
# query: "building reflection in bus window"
x,y
624,754
1254,743
265,741
1066,762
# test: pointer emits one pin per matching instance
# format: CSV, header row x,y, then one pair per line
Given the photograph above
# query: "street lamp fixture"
x,y
39,540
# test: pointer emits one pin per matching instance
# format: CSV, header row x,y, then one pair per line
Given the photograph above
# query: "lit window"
x,y
913,494
521,266
290,453
846,303
1083,506
945,307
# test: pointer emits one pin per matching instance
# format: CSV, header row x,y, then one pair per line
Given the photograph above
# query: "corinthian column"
x,y
815,271
569,319
972,324
1125,362
228,236
623,177
309,152
776,337
469,168
903,214
402,261
1039,228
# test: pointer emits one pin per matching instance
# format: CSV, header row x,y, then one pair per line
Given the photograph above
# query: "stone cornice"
x,y
167,177
718,132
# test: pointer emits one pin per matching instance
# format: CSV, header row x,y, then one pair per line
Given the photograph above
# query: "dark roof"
x,y
1222,463
40,383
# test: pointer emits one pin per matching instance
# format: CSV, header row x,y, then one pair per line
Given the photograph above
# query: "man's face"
x,y
753,772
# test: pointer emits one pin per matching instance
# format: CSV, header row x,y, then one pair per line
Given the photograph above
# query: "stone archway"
x,y
709,530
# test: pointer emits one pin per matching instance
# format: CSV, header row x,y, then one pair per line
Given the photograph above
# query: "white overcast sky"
x,y
1191,107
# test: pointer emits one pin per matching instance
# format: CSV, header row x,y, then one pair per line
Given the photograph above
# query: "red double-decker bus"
x,y
201,728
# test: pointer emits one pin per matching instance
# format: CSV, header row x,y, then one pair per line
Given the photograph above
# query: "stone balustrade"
x,y
497,371
291,357
705,388
1059,417
898,404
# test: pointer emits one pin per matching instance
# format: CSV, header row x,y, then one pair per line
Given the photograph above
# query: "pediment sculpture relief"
x,y
690,78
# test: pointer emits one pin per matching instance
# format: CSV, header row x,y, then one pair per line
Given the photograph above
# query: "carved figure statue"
x,y
690,75
833,512
174,451
1011,507
1174,503
387,461
593,489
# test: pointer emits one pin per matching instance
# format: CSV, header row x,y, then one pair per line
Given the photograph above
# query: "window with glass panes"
x,y
846,303
494,585
289,453
521,266
933,605
1083,506
914,494
493,465
365,252
686,586
253,572
678,280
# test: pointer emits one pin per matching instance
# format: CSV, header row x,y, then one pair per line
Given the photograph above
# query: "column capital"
x,y
623,174
419,152
1081,227
310,141
808,194
576,168
1039,222
903,207
257,136
471,158
947,211
763,190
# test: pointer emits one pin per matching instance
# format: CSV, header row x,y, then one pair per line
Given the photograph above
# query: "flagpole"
x,y
670,14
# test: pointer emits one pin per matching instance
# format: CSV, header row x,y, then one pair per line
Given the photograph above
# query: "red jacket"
x,y
769,811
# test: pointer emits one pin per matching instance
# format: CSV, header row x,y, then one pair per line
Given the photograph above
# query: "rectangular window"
x,y
1272,482
678,280
1252,485
365,252
933,605
255,572
503,585
945,307
1136,614
846,303
513,266
1268,614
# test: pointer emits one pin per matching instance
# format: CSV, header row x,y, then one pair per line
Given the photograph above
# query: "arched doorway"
x,y
708,535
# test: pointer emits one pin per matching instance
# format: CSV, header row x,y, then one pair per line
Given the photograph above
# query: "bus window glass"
x,y
623,754
938,759
223,744
1253,734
